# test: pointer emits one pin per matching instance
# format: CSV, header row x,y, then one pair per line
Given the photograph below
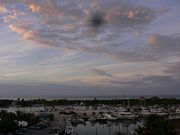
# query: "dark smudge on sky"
x,y
97,20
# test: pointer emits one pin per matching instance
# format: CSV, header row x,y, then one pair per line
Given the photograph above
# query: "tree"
x,y
7,122
156,125
7,125
28,117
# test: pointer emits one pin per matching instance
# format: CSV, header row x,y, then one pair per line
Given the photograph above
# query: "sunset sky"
x,y
89,47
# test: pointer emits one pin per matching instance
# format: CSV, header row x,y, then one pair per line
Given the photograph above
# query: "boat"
x,y
159,111
132,116
127,115
145,113
69,130
177,111
101,119
162,113
81,121
92,119
110,118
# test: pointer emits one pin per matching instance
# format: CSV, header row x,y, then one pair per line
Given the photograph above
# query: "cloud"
x,y
163,46
19,30
98,81
127,83
65,25
168,44
149,81
173,69
122,30
34,7
2,9
101,72
129,16
27,34
160,79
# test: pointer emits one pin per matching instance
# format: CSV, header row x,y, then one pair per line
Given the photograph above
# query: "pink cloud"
x,y
34,7
2,9
70,27
152,40
19,30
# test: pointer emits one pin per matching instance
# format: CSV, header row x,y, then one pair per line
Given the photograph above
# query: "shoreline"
x,y
84,97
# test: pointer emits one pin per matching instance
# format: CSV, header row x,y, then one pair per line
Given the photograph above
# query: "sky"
x,y
89,47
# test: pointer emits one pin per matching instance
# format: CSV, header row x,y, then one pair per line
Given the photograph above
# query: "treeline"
x,y
5,103
113,102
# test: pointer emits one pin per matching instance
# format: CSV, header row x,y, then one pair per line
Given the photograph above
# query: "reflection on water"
x,y
118,128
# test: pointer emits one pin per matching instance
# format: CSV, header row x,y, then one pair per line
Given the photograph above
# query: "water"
x,y
124,128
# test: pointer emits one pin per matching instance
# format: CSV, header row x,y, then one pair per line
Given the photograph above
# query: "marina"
x,y
92,120
90,67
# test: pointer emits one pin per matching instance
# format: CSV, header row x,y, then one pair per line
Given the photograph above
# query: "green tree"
x,y
155,125
7,122
7,125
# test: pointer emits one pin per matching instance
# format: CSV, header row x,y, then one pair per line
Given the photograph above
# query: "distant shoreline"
x,y
89,97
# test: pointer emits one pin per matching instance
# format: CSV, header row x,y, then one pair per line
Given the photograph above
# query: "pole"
x,y
96,130
109,130
127,129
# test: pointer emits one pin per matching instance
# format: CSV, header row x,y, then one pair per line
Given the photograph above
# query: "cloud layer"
x,y
66,25
120,44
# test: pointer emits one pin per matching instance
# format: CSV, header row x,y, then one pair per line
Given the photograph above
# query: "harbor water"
x,y
123,128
